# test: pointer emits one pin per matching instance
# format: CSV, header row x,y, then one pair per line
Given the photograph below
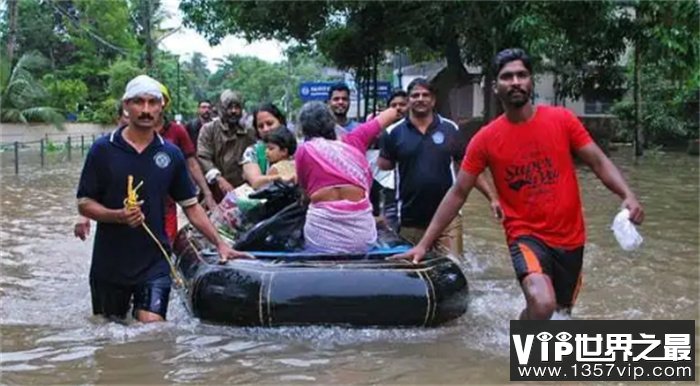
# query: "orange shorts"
x,y
563,266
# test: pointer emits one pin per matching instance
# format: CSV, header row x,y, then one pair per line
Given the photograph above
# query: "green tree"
x,y
196,75
65,94
301,66
258,80
41,34
352,34
22,95
664,73
298,20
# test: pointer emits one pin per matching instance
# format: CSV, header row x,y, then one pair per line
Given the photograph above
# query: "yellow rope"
x,y
132,201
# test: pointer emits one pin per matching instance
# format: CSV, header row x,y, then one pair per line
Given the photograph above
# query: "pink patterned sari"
x,y
339,226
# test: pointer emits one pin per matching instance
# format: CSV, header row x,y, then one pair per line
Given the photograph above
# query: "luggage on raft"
x,y
292,287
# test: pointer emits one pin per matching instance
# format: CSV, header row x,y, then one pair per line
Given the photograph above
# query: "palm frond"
x,y
22,95
10,114
44,114
31,61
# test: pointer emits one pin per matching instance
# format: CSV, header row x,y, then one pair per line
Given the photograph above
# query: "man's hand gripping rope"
x,y
135,217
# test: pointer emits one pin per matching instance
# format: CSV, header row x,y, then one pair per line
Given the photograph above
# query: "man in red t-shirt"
x,y
529,153
177,134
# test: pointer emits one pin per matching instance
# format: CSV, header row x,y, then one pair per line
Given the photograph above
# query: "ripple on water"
x,y
48,331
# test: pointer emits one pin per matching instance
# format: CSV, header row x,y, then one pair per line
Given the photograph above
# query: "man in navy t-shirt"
x,y
425,148
127,264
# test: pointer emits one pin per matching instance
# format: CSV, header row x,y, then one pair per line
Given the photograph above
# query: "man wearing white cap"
x,y
127,265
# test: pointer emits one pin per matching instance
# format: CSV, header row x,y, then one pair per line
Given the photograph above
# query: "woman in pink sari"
x,y
336,177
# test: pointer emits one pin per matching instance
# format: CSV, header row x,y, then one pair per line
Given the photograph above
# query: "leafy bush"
x,y
65,94
669,110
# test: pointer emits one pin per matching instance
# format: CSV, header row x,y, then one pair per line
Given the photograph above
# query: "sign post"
x,y
318,91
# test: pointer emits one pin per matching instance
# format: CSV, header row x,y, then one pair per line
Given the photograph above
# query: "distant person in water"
x,y
529,150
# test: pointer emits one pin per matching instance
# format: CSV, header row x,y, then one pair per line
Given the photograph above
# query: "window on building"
x,y
597,105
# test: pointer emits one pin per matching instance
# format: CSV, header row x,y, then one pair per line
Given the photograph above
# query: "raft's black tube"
x,y
345,290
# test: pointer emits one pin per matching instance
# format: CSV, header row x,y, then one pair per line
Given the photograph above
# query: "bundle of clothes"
x,y
266,220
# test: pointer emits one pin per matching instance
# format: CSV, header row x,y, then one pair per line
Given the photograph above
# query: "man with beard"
x,y
221,145
127,264
339,102
203,117
424,147
528,150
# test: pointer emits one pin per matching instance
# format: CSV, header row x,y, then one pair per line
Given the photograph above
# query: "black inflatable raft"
x,y
301,289
285,287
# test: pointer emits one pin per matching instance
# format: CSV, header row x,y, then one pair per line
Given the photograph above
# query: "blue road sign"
x,y
318,91
314,91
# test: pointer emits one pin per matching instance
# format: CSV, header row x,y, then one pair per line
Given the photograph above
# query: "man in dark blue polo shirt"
x,y
424,147
127,264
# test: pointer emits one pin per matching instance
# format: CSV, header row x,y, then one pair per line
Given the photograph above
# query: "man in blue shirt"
x,y
127,264
425,148
339,102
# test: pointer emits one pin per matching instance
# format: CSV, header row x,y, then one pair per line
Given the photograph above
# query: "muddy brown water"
x,y
49,336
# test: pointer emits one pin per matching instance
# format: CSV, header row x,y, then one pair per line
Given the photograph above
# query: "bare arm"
x,y
484,186
387,117
255,178
205,148
446,212
611,178
198,176
195,213
81,228
94,210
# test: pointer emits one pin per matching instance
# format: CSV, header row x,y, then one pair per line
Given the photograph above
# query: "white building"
x,y
467,102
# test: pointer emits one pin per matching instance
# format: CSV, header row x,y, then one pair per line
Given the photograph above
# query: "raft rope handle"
x,y
131,201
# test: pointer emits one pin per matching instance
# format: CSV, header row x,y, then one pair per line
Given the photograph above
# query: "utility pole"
x,y
177,105
375,74
12,30
639,20
637,96
147,17
288,96
400,73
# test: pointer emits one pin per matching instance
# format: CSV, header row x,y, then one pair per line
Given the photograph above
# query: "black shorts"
x,y
563,266
375,197
114,300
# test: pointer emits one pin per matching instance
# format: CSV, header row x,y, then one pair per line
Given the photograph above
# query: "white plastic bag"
x,y
625,232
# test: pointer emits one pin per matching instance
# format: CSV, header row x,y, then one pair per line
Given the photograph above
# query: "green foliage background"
x,y
77,55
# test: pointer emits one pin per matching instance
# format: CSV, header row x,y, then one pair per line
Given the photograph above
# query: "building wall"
x,y
11,132
543,92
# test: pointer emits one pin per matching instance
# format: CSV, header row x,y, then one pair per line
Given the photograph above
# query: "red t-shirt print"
x,y
534,174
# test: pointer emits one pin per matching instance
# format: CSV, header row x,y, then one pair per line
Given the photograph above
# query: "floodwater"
x,y
49,335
